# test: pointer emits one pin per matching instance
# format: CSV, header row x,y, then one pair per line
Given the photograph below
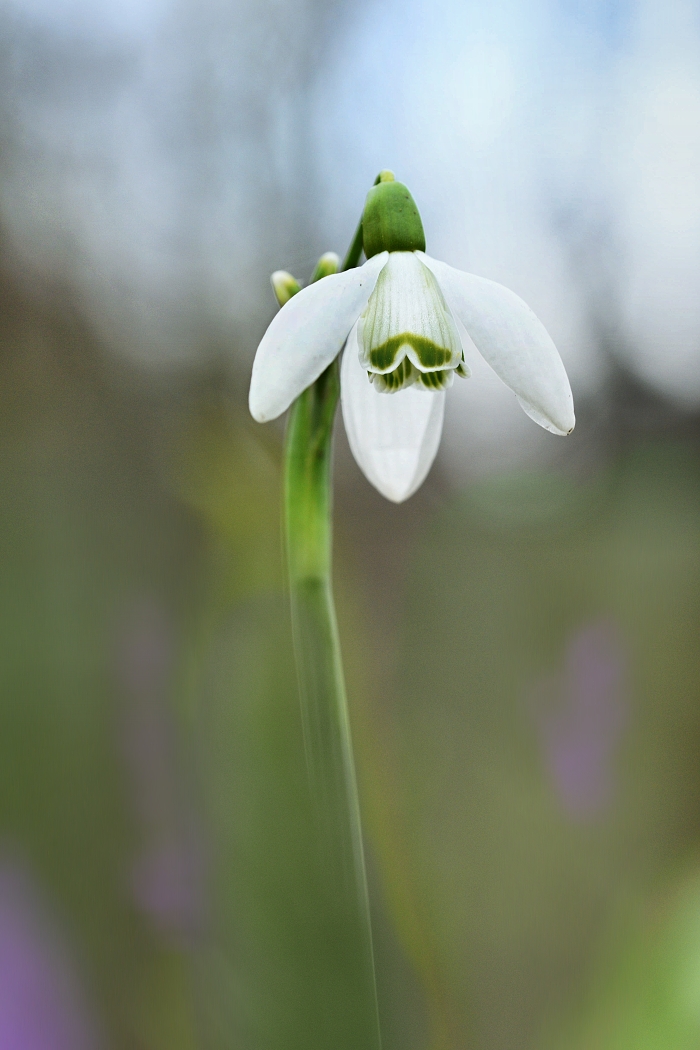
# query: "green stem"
x,y
355,249
308,504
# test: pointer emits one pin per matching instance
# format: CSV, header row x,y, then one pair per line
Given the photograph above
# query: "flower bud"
x,y
284,286
391,221
327,264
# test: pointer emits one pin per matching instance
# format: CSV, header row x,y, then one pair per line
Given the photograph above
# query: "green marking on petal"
x,y
436,380
430,355
389,382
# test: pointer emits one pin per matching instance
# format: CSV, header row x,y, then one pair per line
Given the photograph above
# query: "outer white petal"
x,y
306,335
513,341
393,437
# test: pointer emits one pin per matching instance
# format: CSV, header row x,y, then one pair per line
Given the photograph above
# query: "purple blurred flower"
x,y
41,1006
167,878
582,712
167,881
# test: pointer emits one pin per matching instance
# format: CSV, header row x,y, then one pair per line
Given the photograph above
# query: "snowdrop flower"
x,y
405,320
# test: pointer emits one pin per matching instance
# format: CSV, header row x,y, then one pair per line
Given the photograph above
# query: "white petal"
x,y
306,335
543,421
393,437
513,341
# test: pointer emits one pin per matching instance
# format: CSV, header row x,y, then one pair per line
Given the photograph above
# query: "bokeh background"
x,y
521,637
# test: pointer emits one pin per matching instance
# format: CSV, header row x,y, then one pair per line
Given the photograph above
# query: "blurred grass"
x,y
645,990
85,530
515,891
532,621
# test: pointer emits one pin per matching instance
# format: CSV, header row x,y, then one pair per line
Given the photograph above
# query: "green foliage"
x,y
521,912
505,863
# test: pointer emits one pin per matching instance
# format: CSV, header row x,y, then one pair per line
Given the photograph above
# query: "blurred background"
x,y
521,637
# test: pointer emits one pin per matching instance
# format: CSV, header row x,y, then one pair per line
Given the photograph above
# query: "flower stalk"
x,y
308,526
406,322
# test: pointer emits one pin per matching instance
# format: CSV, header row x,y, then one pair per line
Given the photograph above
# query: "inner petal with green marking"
x,y
389,382
407,316
436,380
406,375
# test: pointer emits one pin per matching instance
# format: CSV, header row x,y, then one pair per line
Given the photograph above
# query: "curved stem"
x,y
308,506
355,250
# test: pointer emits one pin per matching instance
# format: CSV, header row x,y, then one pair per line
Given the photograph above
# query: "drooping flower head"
x,y
405,321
